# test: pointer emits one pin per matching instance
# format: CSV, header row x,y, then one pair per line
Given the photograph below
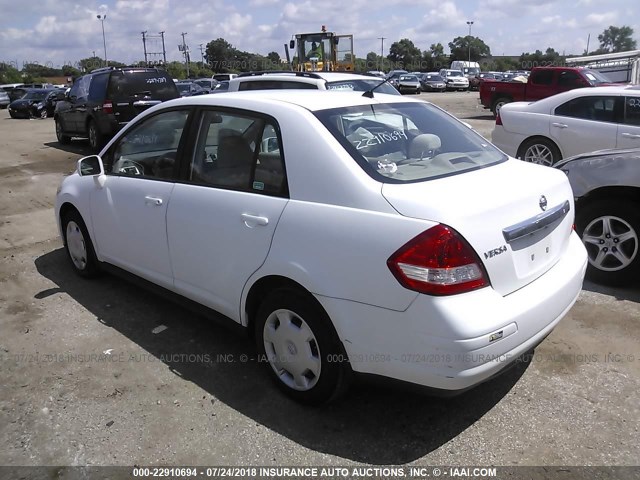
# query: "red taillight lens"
x,y
498,119
107,106
439,261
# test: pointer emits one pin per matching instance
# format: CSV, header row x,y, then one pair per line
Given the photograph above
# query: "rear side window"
x,y
275,85
362,85
598,108
98,87
126,85
542,77
569,79
632,111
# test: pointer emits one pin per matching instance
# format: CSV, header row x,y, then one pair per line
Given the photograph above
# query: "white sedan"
x,y
347,233
570,123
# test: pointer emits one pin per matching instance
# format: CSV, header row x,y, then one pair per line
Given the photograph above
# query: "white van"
x,y
469,69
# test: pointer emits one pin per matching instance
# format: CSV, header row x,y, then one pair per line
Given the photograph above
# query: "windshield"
x,y
362,85
595,77
183,87
434,78
408,142
408,78
454,73
471,70
35,95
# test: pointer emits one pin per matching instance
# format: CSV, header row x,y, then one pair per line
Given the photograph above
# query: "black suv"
x,y
105,100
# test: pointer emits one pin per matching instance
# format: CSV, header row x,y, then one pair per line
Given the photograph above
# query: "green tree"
x,y
220,55
404,54
549,58
460,48
177,70
9,74
617,39
274,60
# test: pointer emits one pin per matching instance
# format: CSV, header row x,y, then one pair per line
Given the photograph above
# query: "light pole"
x,y
102,18
470,22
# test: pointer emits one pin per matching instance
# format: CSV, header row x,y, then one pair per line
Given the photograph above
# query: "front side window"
x,y
598,108
149,150
239,152
569,79
408,142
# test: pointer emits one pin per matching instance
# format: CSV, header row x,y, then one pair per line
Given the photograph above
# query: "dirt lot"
x,y
104,373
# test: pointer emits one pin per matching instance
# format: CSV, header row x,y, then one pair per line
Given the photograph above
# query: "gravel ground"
x,y
104,373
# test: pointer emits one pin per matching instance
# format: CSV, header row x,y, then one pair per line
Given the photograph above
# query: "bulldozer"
x,y
322,52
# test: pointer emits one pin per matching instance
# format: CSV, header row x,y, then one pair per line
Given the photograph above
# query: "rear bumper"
x,y
454,343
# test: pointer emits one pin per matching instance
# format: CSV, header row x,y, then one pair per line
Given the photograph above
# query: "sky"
x,y
61,32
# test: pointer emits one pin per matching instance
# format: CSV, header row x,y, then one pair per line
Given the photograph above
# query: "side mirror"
x,y
91,165
292,44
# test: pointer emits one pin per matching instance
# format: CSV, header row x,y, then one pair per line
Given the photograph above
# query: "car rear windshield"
x,y
408,142
35,95
362,85
596,78
141,83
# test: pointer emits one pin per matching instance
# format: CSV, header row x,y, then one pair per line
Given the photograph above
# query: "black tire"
x,y
334,370
86,266
12,115
622,216
498,103
44,113
95,137
539,150
62,138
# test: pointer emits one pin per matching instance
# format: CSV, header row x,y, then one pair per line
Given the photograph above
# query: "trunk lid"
x,y
499,211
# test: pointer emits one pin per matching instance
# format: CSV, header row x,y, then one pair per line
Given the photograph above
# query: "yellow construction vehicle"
x,y
323,52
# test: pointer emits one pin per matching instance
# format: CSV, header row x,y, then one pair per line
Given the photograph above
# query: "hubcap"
x,y
292,350
540,154
76,246
93,136
58,130
611,242
499,105
43,113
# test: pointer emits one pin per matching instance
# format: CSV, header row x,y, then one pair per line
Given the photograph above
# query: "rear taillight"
x,y
107,106
439,261
498,119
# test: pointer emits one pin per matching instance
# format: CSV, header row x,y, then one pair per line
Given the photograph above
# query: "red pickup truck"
x,y
543,82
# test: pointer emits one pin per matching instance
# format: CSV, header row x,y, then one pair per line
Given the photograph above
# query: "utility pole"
x,y
102,18
588,38
470,23
185,51
202,55
381,52
144,46
164,51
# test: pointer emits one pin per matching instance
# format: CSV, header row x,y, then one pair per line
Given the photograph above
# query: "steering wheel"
x,y
129,167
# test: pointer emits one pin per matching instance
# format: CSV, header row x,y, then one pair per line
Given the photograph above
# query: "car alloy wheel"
x,y
62,138
611,242
610,232
540,151
44,113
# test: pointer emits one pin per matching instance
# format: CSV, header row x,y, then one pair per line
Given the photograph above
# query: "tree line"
x,y
222,57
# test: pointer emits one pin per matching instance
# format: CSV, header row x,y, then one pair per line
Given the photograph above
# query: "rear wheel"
x,y
300,346
62,138
498,104
95,137
44,113
610,231
539,150
78,245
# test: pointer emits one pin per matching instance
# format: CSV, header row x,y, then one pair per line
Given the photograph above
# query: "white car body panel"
x,y
333,236
573,136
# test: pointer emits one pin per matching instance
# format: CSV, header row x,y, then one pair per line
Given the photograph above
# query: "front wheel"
x,y
301,348
610,231
540,151
78,245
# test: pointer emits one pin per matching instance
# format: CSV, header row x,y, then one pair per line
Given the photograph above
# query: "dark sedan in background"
x,y
33,104
432,82
189,89
606,186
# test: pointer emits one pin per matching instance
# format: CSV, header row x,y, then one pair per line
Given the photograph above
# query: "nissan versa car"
x,y
348,233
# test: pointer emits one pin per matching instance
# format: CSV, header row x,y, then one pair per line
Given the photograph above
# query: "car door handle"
x,y
630,135
152,200
560,125
253,220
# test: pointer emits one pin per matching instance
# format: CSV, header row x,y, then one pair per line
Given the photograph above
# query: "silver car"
x,y
606,186
4,99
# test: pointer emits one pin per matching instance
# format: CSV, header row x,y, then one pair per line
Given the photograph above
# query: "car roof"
x,y
304,77
312,100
